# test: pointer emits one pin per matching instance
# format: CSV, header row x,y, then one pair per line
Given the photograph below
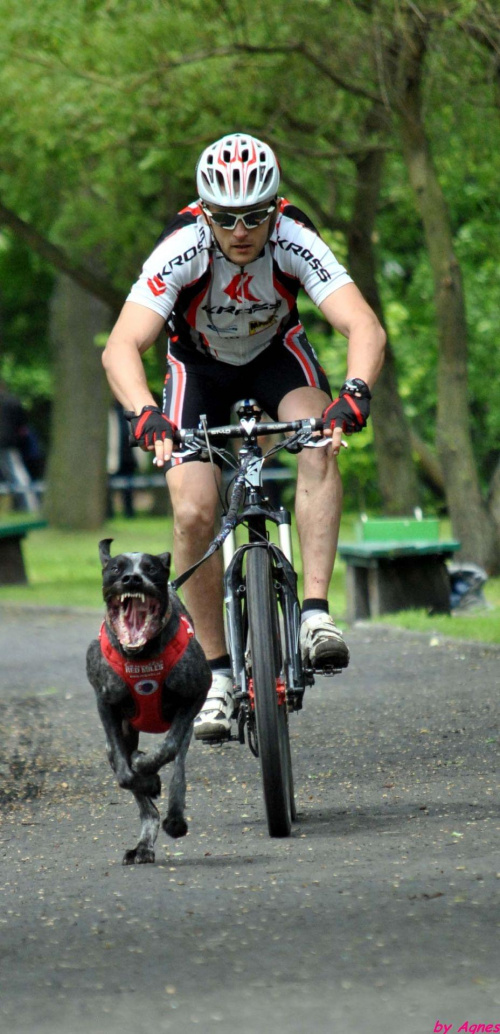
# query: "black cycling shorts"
x,y
200,384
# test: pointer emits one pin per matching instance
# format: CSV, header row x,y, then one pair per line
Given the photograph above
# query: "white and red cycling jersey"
x,y
225,311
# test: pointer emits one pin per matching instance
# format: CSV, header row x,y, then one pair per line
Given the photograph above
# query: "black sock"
x,y
221,663
314,604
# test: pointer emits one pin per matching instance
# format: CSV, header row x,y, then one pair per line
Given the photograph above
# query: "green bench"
x,y
396,564
12,569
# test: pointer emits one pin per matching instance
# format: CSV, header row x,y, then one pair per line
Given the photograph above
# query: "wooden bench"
x,y
12,569
403,572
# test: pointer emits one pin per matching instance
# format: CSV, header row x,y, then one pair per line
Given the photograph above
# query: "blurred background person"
x,y
21,458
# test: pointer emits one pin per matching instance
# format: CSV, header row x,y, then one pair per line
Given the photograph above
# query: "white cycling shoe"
x,y
321,643
214,720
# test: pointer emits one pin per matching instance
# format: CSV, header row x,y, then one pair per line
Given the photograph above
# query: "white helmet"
x,y
236,171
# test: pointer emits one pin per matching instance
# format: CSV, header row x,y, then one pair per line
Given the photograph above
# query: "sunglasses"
x,y
228,220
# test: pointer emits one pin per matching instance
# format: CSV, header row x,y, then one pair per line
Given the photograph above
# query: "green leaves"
x,y
108,103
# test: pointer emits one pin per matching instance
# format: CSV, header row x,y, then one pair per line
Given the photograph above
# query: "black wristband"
x,y
355,386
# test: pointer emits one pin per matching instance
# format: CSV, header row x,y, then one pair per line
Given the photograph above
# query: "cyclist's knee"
x,y
193,515
318,464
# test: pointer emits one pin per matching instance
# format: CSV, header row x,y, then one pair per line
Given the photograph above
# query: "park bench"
x,y
397,564
12,569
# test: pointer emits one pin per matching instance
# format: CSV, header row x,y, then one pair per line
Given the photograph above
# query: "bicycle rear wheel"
x,y
271,715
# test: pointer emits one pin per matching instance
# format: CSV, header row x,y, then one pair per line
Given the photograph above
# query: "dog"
x,y
149,674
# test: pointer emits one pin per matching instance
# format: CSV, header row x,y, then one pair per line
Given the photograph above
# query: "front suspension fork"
x,y
234,595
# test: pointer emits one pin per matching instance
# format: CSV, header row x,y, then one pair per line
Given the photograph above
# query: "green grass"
x,y
63,566
63,570
482,625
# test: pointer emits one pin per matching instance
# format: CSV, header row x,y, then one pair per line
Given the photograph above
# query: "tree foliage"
x,y
107,104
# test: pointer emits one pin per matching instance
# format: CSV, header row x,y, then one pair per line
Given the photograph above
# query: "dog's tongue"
x,y
135,615
132,621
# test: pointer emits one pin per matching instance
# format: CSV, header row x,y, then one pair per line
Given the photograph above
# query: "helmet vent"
x,y
220,182
252,180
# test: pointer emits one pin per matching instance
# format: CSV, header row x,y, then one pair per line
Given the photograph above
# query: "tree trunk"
x,y
429,464
396,472
77,477
470,519
494,496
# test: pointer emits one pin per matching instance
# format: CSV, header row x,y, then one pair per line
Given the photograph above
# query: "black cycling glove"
x,y
351,409
150,426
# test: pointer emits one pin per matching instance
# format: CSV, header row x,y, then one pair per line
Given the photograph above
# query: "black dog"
x,y
150,675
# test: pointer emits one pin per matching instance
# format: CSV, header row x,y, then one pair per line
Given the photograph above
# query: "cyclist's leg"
x,y
191,388
293,386
193,493
290,384
318,507
194,501
318,501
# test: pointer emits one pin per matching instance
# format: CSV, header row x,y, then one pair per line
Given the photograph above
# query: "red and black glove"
x,y
150,426
351,409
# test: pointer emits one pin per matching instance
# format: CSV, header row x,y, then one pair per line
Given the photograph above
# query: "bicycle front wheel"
x,y
271,717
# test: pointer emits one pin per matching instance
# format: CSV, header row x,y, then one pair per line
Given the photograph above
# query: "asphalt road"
x,y
380,913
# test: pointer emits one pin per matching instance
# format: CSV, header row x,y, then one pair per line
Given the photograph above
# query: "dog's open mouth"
x,y
134,618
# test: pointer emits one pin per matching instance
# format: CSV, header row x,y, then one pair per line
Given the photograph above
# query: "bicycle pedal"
x,y
328,671
216,741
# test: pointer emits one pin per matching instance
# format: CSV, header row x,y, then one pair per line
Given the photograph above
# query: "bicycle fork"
x,y
293,682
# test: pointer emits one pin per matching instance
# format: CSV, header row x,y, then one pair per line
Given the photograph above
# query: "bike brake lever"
x,y
188,450
317,443
320,443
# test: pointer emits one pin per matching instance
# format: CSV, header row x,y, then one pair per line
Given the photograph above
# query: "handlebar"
x,y
246,429
302,431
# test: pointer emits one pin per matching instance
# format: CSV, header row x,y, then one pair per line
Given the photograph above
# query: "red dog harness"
x,y
145,678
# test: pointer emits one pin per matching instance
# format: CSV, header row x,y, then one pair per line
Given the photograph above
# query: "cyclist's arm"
x,y
302,253
136,329
348,312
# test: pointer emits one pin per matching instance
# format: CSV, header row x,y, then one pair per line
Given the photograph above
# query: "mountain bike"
x,y
260,594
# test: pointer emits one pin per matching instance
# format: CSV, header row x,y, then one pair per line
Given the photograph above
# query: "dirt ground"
x,y
380,912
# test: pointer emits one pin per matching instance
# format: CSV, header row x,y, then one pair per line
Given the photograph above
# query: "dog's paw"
x,y
151,785
175,826
139,856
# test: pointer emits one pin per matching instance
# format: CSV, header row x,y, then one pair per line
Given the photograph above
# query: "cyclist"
x,y
223,279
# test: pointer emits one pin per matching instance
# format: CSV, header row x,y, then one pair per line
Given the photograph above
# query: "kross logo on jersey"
x,y
156,286
239,288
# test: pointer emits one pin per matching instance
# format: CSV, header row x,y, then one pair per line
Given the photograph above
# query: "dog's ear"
x,y
165,560
104,553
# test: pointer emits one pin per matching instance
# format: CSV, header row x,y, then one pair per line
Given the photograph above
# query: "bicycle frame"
x,y
255,514
260,595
